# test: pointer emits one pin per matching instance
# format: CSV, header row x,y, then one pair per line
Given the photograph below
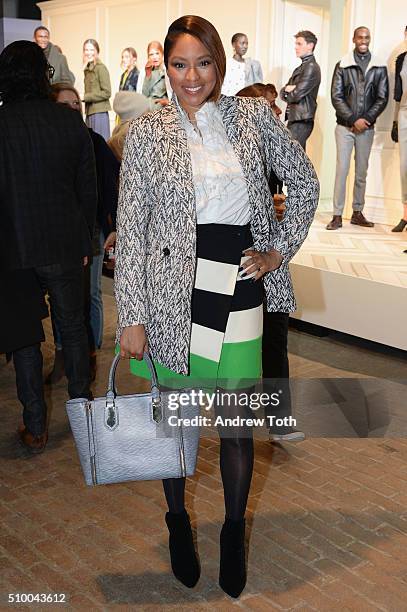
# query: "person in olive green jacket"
x,y
97,90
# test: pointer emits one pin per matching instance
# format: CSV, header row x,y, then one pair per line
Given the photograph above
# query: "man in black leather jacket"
x,y
359,93
301,91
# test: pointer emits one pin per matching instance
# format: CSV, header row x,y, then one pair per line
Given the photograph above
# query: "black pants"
x,y
30,389
301,130
64,284
275,364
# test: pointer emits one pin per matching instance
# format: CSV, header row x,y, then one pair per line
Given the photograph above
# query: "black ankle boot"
x,y
184,562
232,571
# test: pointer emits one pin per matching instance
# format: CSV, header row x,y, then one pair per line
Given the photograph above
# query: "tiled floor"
x,y
327,518
370,253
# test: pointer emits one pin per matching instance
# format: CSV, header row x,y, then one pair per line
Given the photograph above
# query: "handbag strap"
x,y
111,385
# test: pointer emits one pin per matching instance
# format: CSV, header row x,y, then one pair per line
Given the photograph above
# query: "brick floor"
x,y
327,522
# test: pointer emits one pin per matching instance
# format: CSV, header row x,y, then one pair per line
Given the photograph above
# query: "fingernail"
x,y
241,268
243,274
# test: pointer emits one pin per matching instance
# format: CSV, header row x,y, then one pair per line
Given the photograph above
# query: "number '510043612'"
x,y
37,597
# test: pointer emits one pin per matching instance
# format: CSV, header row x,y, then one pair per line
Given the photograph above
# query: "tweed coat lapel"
x,y
175,168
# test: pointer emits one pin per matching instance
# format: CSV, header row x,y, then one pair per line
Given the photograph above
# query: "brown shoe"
x,y
358,218
35,444
335,224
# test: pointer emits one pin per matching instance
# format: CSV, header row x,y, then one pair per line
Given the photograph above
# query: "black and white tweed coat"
x,y
156,223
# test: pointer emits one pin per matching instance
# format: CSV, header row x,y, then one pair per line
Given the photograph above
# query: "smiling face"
x,y
128,61
192,73
241,45
361,40
41,37
155,56
90,52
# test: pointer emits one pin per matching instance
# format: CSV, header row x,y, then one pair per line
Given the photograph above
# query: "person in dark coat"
x,y
301,91
130,74
107,170
48,196
22,309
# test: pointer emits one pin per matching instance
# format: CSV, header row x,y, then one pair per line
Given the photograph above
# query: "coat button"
x,y
166,252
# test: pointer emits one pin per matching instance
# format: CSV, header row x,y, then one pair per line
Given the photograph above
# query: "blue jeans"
x,y
64,284
30,389
93,305
96,302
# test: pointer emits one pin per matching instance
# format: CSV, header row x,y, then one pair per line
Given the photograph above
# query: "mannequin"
x,y
240,72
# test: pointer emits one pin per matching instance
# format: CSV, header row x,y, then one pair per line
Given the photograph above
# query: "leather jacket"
x,y
398,85
302,102
356,95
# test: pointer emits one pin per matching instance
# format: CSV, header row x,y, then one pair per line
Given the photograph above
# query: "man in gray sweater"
x,y
54,57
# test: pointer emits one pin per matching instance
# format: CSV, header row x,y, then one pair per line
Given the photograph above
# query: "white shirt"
x,y
235,77
220,187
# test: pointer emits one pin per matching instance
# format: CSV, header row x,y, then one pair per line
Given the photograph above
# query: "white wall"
x,y
270,25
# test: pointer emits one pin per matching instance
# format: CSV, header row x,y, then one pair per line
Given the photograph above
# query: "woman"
x,y
107,170
193,197
399,131
154,87
97,90
240,72
129,78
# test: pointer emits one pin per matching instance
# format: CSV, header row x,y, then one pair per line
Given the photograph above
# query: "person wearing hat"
x,y
127,105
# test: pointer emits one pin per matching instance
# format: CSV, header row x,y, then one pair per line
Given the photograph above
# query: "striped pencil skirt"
x,y
227,316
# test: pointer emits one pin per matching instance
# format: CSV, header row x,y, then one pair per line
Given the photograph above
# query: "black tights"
x,y
236,467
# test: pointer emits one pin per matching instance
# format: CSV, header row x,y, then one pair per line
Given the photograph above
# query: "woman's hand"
x,y
262,262
133,342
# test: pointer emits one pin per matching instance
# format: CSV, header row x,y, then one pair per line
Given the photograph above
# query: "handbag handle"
x,y
111,385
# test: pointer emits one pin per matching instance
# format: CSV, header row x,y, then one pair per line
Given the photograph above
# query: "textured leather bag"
x,y
134,437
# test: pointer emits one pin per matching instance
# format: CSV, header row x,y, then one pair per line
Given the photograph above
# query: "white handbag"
x,y
134,437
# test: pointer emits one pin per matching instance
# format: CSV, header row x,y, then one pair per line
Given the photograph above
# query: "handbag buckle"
x,y
157,412
111,416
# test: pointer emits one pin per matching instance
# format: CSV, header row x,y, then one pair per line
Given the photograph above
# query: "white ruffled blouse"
x,y
220,187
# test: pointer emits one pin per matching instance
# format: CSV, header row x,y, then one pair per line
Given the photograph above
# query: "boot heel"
x,y
232,571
